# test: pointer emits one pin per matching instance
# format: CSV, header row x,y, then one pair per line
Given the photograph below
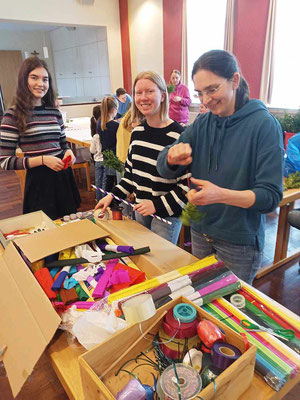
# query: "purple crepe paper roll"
x,y
224,354
132,391
104,280
228,280
84,305
126,249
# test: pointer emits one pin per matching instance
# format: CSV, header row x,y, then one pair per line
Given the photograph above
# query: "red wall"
x,y
172,36
249,40
125,41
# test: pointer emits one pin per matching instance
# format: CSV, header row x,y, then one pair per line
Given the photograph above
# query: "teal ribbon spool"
x,y
184,312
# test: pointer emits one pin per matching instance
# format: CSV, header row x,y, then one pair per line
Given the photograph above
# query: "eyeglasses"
x,y
210,92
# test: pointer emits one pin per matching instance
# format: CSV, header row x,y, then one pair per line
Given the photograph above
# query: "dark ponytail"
x,y
224,64
93,122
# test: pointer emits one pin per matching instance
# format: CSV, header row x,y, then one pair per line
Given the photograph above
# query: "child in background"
x,y
107,130
96,151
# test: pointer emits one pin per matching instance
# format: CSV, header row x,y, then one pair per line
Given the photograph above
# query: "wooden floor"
x,y
283,285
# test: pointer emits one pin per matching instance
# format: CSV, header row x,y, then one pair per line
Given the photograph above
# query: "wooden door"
x,y
10,62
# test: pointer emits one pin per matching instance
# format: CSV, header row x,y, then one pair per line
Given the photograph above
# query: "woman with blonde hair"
x,y
153,194
107,130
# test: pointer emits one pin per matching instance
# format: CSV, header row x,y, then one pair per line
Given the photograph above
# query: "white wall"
x,y
146,35
71,12
27,41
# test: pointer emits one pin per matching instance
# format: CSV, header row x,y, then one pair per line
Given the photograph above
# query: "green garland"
x,y
112,161
292,181
191,213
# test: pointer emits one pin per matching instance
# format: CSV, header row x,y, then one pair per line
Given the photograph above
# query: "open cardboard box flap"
x,y
28,321
43,244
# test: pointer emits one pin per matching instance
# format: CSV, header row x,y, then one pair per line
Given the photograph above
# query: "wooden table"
x,y
78,132
64,355
283,233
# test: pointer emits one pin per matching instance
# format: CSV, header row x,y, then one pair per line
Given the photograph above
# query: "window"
x,y
205,31
286,83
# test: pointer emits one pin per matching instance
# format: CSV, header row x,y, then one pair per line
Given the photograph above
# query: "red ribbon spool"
x,y
180,330
209,333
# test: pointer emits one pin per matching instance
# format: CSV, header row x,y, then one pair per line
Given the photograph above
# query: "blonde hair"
x,y
127,120
107,105
175,71
161,84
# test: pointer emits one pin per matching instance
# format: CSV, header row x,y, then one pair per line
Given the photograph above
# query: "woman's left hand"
x,y
177,98
205,193
145,208
70,153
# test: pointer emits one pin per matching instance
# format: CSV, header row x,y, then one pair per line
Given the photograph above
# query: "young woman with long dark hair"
x,y
235,154
36,126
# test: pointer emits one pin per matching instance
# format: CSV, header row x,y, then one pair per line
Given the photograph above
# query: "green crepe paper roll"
x,y
81,293
221,292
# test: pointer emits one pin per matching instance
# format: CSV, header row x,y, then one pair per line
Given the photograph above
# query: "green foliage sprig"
x,y
112,161
191,214
170,88
292,181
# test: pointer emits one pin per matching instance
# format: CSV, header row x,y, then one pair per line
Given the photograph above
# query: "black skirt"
x,y
55,193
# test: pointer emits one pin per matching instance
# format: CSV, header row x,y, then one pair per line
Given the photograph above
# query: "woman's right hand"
x,y
180,154
104,203
54,163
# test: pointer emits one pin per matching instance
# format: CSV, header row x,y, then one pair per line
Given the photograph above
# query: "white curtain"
x,y
229,25
267,75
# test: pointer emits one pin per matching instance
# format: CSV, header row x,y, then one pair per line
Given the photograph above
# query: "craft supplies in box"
x,y
139,353
275,334
22,225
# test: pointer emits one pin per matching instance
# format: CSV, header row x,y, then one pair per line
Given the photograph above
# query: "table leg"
x,y
283,232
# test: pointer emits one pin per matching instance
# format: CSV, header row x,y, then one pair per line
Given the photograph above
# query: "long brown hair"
x,y
107,105
24,99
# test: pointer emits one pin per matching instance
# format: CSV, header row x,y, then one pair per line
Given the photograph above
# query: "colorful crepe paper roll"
x,y
224,354
45,279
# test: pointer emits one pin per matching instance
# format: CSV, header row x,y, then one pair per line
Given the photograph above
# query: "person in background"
x,y
123,101
96,151
36,126
153,194
203,109
124,135
179,99
235,155
292,160
95,117
107,130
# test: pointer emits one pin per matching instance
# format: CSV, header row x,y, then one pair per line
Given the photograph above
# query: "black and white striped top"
x,y
141,176
44,135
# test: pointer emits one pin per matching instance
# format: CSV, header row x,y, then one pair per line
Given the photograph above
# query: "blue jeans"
x,y
100,179
243,260
169,232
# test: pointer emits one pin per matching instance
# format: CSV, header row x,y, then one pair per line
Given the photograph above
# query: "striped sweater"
x,y
44,135
141,176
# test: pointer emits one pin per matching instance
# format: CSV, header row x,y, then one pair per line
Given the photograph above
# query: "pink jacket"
x,y
179,110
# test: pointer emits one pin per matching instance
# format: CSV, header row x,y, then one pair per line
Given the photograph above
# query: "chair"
x,y
21,174
81,163
294,219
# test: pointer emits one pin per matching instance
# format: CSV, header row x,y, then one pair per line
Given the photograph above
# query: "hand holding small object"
x,y
53,162
205,193
104,203
180,154
70,156
145,208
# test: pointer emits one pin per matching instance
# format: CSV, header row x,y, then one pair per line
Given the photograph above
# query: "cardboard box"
x,y
99,365
24,221
27,319
161,258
